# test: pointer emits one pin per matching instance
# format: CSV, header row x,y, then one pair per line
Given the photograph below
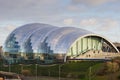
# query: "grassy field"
x,y
82,70
75,70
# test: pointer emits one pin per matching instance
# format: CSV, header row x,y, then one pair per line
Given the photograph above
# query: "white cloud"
x,y
68,21
100,23
72,8
5,31
88,22
76,8
104,26
28,9
10,28
107,24
92,2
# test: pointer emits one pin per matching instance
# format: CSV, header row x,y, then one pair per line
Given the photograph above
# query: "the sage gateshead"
x,y
50,44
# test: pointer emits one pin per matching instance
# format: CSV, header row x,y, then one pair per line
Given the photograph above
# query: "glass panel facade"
x,y
46,43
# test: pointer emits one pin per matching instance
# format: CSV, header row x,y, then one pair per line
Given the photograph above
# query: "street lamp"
x,y
60,70
9,67
36,70
21,68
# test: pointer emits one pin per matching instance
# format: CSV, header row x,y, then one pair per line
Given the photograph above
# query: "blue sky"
x,y
99,16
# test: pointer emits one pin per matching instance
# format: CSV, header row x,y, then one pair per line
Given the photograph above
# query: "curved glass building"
x,y
43,43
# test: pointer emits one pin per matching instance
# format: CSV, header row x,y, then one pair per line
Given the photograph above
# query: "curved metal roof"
x,y
24,32
62,38
39,36
52,38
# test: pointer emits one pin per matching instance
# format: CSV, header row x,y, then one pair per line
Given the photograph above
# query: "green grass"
x,y
79,66
71,70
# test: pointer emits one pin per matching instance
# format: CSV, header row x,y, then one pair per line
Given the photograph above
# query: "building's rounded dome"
x,y
37,38
57,38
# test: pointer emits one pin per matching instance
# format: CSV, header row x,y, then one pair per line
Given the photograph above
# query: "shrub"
x,y
26,72
69,75
111,67
101,72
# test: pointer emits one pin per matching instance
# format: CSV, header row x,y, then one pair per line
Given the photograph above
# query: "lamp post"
x,y
21,68
9,67
36,70
60,71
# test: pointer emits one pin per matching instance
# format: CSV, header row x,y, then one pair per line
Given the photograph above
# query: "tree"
x,y
111,67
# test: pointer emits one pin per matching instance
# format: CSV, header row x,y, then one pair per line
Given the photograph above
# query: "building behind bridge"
x,y
117,45
46,44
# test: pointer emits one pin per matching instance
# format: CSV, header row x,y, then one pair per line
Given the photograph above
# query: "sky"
x,y
99,16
